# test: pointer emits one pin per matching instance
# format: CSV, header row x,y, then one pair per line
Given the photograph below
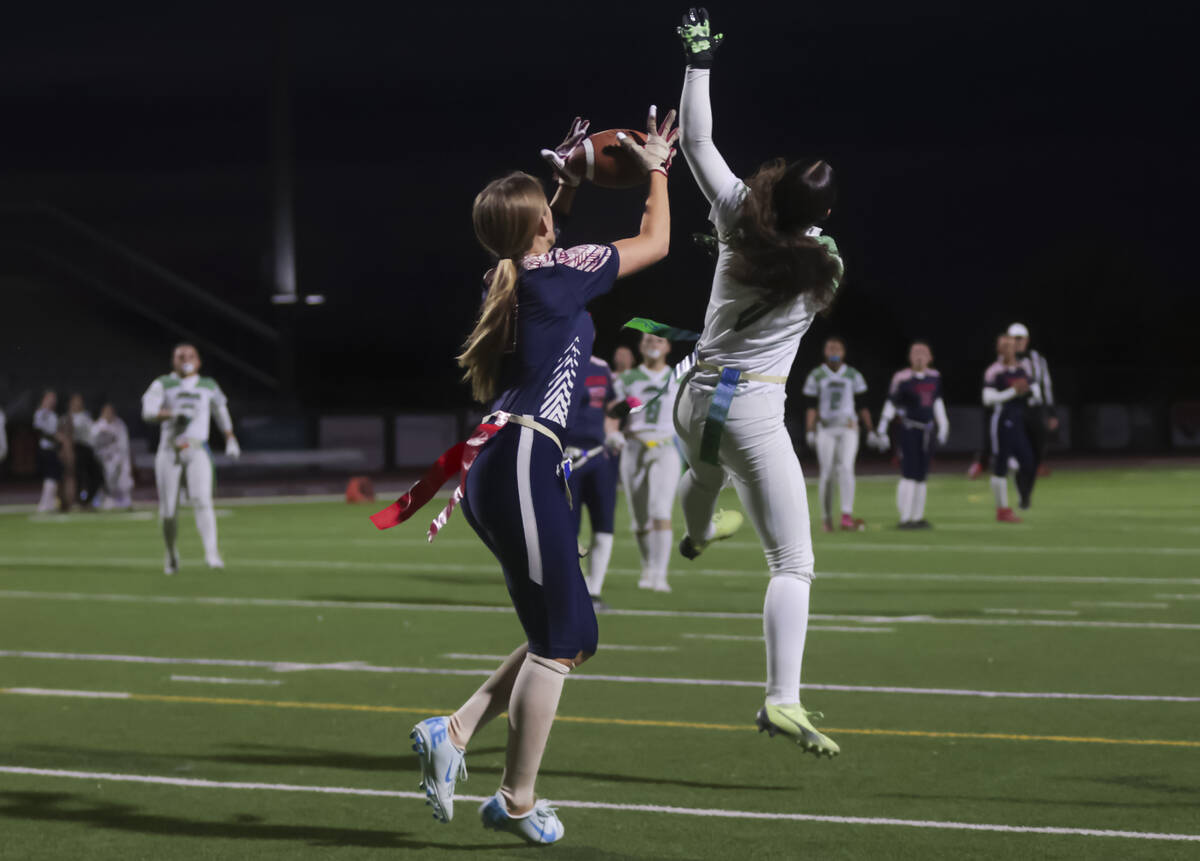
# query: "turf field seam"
x,y
918,619
200,783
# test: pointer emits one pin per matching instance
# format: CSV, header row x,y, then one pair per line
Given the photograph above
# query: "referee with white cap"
x,y
1039,423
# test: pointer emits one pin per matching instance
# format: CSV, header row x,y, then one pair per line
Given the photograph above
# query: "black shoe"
x,y
599,605
1026,504
922,524
906,524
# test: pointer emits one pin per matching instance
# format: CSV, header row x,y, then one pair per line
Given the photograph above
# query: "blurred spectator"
x,y
87,467
110,440
622,360
3,438
45,422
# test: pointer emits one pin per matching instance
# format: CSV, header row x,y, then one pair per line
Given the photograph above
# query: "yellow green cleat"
x,y
724,525
794,721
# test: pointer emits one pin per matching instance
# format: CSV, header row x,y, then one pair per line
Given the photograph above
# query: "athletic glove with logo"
x,y
699,42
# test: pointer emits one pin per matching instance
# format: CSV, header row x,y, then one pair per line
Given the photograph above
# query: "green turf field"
x,y
264,710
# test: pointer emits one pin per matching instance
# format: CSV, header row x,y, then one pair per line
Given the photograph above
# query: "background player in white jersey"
x,y
184,402
774,273
650,465
832,429
50,467
110,438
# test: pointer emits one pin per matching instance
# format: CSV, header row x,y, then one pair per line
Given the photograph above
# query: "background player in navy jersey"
x,y
594,482
915,398
523,358
1009,390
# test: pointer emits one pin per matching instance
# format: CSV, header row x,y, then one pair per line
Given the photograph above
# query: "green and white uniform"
x,y
650,465
837,431
183,454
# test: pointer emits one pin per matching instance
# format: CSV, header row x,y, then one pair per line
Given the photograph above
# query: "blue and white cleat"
x,y
539,825
442,765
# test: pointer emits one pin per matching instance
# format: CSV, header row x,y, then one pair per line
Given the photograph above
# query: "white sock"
x,y
825,494
846,486
49,498
785,623
170,528
646,549
1000,489
531,709
206,523
489,701
660,540
601,552
917,510
904,497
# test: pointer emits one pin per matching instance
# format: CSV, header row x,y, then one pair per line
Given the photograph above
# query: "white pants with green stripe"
x,y
193,465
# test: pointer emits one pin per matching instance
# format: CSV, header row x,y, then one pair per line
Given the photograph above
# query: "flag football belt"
x,y
718,411
912,424
650,443
457,460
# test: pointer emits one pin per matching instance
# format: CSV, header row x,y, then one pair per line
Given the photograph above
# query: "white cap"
x,y
1018,330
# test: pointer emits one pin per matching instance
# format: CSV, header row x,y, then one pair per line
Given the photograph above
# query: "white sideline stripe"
x,y
223,680
1187,596
60,692
1013,611
490,568
1132,605
198,783
362,667
919,619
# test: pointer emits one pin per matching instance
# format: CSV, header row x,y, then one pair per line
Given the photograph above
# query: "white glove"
x,y
614,441
943,434
658,150
878,441
811,439
232,449
558,157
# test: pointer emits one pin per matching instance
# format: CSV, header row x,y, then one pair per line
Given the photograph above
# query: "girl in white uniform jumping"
x,y
774,273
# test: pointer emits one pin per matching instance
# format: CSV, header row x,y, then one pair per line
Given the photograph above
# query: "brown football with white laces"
x,y
602,161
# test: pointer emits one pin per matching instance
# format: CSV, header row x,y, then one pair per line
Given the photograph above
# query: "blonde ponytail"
x,y
506,216
493,335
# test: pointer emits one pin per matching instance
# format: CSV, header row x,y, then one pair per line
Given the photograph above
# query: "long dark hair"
x,y
773,252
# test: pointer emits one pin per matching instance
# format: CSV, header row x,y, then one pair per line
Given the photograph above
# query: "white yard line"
x,y
708,813
223,680
1015,611
1125,605
141,563
363,667
918,619
846,629
1186,596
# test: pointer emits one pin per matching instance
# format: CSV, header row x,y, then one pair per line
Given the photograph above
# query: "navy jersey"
x,y
554,330
913,394
1000,377
586,426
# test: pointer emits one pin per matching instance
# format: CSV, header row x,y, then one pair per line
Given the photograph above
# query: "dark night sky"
x,y
1014,161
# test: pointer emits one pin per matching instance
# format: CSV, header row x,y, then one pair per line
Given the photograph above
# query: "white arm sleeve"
x,y
991,396
889,412
695,138
222,418
152,401
1035,392
1047,388
939,416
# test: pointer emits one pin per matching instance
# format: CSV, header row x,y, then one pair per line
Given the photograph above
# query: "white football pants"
x,y
650,477
837,447
193,464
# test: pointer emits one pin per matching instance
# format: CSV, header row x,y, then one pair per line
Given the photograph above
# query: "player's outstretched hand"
x,y
232,449
699,42
659,149
557,158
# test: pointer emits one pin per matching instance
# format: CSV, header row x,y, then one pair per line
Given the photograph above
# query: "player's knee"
x,y
794,573
661,523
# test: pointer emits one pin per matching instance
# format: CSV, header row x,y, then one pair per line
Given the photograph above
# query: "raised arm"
x,y
653,239
695,110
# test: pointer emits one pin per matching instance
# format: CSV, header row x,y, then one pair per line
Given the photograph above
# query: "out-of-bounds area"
x,y
999,691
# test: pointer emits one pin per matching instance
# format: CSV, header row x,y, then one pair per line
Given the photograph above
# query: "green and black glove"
x,y
699,42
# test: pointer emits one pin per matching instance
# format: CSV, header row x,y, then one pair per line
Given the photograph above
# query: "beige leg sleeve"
x,y
531,710
489,701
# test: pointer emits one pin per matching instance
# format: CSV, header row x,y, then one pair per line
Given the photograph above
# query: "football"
x,y
601,161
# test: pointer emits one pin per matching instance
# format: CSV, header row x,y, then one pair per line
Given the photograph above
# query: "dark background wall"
x,y
1003,162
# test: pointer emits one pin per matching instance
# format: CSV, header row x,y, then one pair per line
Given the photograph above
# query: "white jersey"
x,y
193,401
835,391
110,439
655,421
81,426
741,328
